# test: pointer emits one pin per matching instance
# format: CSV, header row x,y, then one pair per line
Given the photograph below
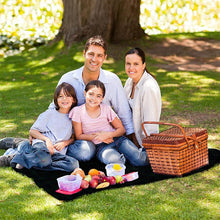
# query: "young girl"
x,y
53,133
98,123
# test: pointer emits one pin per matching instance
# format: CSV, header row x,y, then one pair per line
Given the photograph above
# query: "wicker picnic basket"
x,y
177,150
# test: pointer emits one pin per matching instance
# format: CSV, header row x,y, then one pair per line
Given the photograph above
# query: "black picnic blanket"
x,y
48,179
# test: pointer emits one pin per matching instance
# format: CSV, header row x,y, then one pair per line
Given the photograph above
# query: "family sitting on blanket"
x,y
139,101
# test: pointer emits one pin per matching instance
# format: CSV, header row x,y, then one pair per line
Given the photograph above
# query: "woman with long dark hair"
x,y
143,94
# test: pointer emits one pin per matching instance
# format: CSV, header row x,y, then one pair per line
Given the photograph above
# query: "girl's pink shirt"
x,y
92,125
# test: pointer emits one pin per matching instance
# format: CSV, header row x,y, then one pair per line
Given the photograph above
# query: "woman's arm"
x,y
151,97
36,134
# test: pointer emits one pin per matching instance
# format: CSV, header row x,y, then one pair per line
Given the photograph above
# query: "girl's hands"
x,y
103,137
108,141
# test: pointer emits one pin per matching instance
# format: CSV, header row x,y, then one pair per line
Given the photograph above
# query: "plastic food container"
x,y
114,169
69,182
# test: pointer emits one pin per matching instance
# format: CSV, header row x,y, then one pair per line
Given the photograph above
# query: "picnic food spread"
x,y
95,179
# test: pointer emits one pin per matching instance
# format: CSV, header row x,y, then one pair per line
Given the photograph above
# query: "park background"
x,y
182,49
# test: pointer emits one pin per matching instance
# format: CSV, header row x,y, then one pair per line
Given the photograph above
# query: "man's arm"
x,y
120,104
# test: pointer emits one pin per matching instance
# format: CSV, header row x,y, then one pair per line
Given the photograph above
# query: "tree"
x,y
115,20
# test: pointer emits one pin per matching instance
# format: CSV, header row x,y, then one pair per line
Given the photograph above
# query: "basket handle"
x,y
164,123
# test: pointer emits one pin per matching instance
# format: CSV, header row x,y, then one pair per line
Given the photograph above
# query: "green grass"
x,y
27,84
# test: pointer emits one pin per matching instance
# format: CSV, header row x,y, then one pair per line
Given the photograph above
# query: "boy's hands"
x,y
60,146
50,146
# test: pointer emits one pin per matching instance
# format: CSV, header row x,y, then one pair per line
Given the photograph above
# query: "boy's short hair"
x,y
97,41
68,90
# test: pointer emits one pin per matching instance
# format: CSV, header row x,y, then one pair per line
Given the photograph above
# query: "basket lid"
x,y
166,139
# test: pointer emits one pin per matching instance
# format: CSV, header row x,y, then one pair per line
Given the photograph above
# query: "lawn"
x,y
190,98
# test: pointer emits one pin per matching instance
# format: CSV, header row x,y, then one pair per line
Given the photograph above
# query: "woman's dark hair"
x,y
68,90
95,83
141,54
97,41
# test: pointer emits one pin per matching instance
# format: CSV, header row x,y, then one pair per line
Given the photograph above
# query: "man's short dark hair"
x,y
97,41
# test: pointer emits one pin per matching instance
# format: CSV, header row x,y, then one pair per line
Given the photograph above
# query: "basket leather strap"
x,y
195,139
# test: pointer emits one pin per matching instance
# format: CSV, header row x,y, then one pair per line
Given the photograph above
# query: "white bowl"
x,y
110,171
69,182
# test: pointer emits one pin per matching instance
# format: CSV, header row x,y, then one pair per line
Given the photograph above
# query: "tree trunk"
x,y
115,20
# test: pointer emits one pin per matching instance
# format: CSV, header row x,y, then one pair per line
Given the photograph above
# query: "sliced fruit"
x,y
103,185
117,167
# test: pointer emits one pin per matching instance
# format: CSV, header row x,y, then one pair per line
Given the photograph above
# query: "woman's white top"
x,y
146,104
131,102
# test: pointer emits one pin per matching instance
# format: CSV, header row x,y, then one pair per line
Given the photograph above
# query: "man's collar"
x,y
78,75
102,76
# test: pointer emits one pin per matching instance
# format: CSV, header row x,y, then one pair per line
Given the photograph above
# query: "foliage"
x,y
30,18
168,16
28,23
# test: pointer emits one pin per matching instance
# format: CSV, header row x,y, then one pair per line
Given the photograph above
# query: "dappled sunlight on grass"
x,y
207,93
16,83
7,125
206,81
48,205
169,85
12,182
93,215
20,193
42,62
28,121
191,88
